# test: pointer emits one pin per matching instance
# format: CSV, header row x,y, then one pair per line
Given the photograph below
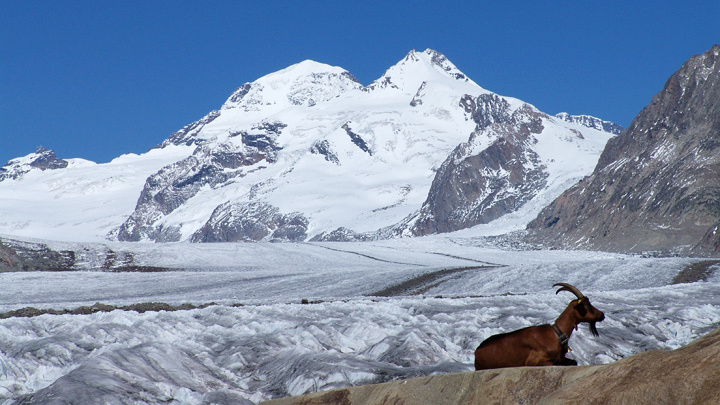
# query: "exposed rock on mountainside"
x,y
657,186
209,165
25,256
325,148
592,122
9,260
689,375
255,221
476,186
43,159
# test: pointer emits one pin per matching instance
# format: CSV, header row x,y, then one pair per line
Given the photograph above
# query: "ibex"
x,y
543,345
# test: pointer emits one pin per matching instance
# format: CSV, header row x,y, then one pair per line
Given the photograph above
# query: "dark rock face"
x,y
324,148
343,234
27,256
417,99
209,165
252,221
43,159
657,185
9,260
46,160
592,122
357,139
187,134
473,188
486,109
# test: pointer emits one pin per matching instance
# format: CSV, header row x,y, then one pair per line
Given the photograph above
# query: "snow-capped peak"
x,y
302,84
42,159
417,67
307,152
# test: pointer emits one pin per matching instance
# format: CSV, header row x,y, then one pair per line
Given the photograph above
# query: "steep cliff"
x,y
657,185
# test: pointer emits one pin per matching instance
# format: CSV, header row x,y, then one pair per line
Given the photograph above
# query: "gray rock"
x,y
656,186
187,135
9,260
475,188
357,139
42,159
592,122
27,256
252,222
174,184
324,148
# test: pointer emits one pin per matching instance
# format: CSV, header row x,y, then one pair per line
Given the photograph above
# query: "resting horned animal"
x,y
543,345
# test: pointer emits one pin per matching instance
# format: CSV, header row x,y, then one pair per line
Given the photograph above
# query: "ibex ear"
x,y
580,308
580,300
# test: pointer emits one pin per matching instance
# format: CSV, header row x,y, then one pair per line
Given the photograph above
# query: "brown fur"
x,y
537,345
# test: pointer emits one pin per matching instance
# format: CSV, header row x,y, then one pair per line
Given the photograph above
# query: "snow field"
x,y
274,346
266,351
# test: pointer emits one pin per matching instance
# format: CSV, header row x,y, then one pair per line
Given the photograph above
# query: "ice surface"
x,y
274,346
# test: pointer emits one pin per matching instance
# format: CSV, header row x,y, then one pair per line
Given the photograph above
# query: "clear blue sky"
x,y
96,79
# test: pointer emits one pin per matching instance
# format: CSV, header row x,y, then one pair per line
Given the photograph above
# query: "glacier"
x,y
290,318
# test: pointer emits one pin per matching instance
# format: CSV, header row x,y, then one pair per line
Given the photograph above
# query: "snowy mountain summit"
x,y
309,153
42,159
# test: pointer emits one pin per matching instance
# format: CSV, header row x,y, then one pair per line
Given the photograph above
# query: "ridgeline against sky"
x,y
96,80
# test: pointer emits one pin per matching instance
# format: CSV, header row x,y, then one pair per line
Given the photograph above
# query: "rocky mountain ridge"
x,y
656,186
42,159
592,122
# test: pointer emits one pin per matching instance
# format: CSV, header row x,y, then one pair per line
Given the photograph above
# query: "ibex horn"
x,y
569,287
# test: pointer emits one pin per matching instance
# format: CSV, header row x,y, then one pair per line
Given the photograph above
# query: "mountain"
x,y
592,122
42,159
656,186
309,153
515,154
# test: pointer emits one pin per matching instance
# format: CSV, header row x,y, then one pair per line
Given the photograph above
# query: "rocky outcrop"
x,y
592,122
325,148
477,184
187,135
343,234
357,139
656,187
27,256
689,375
211,165
9,260
42,159
252,222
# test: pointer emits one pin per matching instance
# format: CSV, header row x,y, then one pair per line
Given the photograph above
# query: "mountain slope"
x,y
309,153
656,186
515,154
592,122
